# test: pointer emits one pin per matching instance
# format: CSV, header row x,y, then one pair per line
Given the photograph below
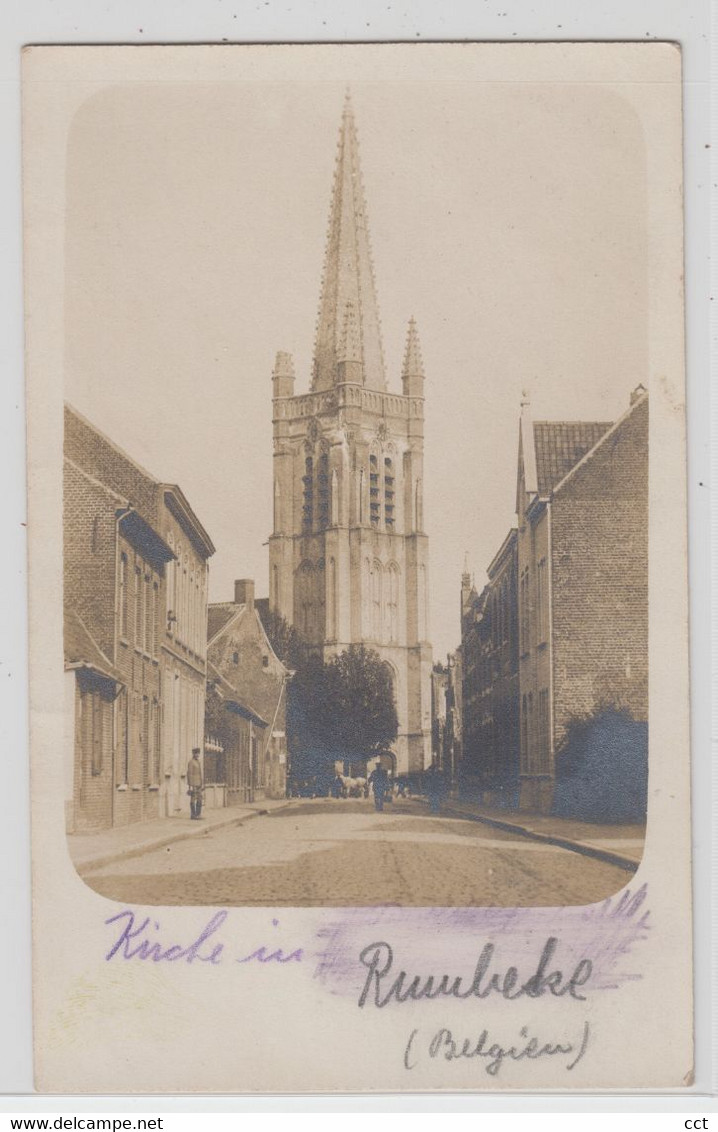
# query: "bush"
x,y
602,769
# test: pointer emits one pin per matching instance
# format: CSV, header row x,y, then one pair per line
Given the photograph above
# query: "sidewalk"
x,y
94,850
620,845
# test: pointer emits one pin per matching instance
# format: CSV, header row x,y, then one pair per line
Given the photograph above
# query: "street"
x,y
341,852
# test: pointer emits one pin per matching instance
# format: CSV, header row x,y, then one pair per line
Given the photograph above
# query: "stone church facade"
x,y
349,556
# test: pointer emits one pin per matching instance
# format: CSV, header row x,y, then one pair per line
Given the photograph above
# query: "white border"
x,y
157,21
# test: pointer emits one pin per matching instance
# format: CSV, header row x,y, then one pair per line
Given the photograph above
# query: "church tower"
x,y
349,558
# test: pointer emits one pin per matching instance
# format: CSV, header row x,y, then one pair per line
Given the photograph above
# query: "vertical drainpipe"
x,y
119,516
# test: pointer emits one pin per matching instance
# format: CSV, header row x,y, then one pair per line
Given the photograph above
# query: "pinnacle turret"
x,y
348,277
412,371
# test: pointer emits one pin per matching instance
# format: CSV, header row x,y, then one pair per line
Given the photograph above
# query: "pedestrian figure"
x,y
337,787
195,784
434,787
379,782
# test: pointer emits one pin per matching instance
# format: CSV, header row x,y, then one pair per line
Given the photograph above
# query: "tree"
x,y
361,702
343,709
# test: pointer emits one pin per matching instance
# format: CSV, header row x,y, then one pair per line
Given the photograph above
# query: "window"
x,y
374,503
96,715
308,481
235,658
323,491
376,586
145,741
393,603
155,607
524,610
388,493
123,739
147,614
138,607
542,596
543,744
156,742
123,596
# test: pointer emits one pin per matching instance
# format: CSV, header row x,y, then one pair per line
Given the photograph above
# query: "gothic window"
x,y
366,599
392,603
423,618
277,507
360,507
275,585
376,599
332,606
308,481
388,493
418,507
374,502
323,491
335,499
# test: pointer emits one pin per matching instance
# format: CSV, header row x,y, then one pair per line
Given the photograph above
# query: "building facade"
x,y
489,647
582,505
124,534
251,683
349,556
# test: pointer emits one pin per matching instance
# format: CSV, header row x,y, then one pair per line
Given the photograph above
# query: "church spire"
x,y
412,371
348,279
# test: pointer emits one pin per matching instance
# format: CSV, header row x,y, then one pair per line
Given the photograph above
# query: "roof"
x,y
559,446
219,615
637,400
82,650
229,694
176,501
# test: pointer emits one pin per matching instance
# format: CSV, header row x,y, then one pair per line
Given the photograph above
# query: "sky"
x,y
508,218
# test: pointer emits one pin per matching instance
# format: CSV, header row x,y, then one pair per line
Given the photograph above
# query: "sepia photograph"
x,y
356,493
357,563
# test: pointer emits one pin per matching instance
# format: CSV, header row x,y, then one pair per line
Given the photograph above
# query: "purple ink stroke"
x,y
438,940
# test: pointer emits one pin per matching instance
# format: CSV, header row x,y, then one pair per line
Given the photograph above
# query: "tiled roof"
x,y
81,648
220,614
560,445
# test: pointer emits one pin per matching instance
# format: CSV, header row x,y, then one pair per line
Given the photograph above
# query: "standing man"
x,y
195,784
379,781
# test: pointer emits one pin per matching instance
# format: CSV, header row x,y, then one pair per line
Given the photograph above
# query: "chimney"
x,y
637,392
244,592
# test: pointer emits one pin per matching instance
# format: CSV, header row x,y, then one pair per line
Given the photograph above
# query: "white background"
x,y
179,21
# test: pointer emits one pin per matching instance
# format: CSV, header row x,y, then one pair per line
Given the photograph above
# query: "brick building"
x,y
489,650
247,675
582,505
135,585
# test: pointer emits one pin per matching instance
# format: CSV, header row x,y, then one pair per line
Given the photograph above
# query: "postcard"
x,y
358,589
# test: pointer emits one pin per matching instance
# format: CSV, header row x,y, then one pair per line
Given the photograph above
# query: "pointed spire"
x,y
413,363
348,277
350,345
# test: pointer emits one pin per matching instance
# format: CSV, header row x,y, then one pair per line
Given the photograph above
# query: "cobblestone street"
x,y
341,852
